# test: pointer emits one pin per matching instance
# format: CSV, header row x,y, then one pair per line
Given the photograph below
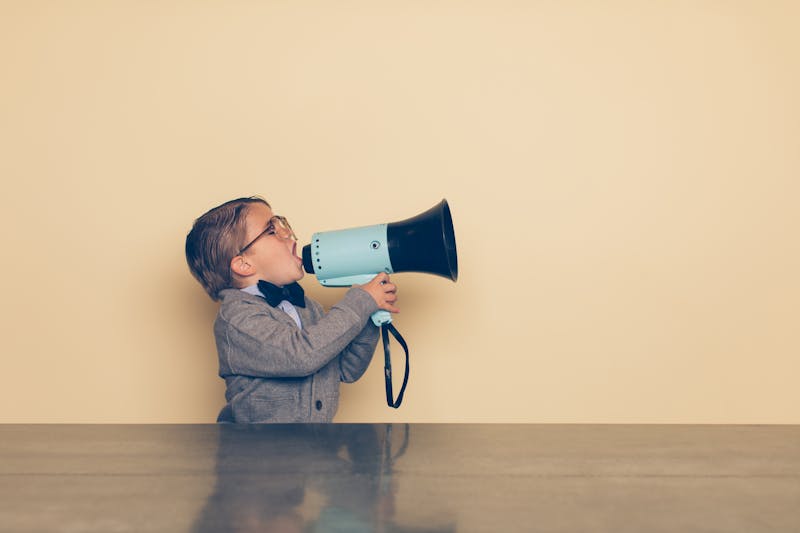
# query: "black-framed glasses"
x,y
277,225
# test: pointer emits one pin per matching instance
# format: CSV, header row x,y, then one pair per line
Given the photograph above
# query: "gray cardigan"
x,y
276,372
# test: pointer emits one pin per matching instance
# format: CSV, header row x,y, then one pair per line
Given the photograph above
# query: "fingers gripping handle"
x,y
379,317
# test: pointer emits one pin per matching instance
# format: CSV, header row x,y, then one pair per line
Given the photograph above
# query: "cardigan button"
x,y
319,405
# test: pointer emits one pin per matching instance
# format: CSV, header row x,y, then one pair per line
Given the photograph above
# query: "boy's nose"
x,y
285,233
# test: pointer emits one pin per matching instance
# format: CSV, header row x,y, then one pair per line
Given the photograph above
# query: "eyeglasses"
x,y
279,226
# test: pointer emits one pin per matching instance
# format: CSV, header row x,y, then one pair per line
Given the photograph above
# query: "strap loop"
x,y
387,367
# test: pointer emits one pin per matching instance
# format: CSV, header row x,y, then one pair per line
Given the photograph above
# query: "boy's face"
x,y
272,258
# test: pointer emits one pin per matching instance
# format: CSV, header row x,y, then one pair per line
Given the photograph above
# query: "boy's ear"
x,y
241,267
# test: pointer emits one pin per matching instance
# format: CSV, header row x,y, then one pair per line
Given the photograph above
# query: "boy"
x,y
281,356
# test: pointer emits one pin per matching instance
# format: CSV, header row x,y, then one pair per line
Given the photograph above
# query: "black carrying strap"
x,y
387,367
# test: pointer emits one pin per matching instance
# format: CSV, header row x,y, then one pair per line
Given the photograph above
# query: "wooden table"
x,y
414,478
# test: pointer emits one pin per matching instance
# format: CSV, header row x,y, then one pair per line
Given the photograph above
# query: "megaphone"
x,y
424,243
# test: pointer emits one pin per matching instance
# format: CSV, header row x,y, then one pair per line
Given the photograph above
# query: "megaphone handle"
x,y
385,330
381,317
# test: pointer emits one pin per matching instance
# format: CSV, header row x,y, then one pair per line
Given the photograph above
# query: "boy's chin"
x,y
295,278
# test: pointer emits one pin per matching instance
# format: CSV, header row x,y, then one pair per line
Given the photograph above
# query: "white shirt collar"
x,y
252,289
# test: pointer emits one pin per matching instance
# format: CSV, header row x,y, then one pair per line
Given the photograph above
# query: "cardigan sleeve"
x,y
355,358
252,342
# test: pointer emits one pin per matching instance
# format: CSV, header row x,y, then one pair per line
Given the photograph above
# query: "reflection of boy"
x,y
282,363
264,471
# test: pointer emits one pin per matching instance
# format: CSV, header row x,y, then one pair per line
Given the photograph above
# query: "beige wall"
x,y
624,179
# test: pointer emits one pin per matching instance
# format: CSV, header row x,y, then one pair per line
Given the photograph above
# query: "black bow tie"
x,y
275,295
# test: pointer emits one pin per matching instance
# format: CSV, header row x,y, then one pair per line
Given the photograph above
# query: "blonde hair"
x,y
214,240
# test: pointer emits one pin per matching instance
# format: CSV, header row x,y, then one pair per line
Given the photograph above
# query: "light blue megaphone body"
x,y
425,243
352,257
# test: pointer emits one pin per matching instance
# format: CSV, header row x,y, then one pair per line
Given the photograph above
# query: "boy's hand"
x,y
383,292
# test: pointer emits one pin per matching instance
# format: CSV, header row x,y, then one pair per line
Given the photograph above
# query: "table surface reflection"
x,y
399,478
